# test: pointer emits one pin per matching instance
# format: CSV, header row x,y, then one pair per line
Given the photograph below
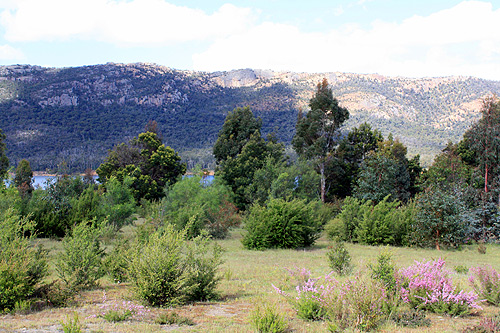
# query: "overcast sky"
x,y
390,37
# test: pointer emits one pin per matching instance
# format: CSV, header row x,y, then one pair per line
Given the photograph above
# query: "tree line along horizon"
x,y
356,184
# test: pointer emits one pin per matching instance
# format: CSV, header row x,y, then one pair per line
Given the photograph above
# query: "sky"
x,y
425,38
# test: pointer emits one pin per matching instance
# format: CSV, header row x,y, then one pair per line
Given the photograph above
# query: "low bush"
x,y
357,303
118,260
384,271
169,270
428,286
339,258
79,265
202,260
157,271
281,224
22,266
201,206
486,283
382,224
267,319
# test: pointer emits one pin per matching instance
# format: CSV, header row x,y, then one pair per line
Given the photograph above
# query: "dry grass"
x,y
247,278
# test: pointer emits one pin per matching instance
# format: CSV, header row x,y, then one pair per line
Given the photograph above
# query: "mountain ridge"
x,y
76,114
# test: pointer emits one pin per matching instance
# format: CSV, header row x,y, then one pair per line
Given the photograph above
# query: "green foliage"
x,y
384,223
157,271
200,206
72,325
237,129
339,259
347,221
281,224
440,219
378,226
22,179
22,267
118,202
52,208
79,265
267,319
202,260
87,206
117,262
384,271
116,316
353,149
168,270
239,172
381,175
149,163
316,133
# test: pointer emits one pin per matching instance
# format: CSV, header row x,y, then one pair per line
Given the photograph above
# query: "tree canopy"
x,y
317,133
146,160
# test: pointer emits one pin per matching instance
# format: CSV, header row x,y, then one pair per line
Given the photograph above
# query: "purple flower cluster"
x,y
428,284
486,282
127,309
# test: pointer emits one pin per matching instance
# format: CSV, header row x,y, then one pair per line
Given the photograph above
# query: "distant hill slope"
x,y
77,114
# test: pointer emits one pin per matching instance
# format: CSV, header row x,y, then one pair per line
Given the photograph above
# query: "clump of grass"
x,y
267,319
72,325
172,318
114,316
411,318
461,269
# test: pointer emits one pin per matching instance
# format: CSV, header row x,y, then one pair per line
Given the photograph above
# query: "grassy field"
x,y
246,282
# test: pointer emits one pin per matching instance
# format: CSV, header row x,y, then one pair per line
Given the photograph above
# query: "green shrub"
x,y
384,223
344,226
385,271
267,319
22,267
377,226
281,224
118,202
72,325
201,206
157,270
80,264
339,258
117,262
202,261
166,269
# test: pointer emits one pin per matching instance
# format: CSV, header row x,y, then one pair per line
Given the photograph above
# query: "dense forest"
x,y
77,114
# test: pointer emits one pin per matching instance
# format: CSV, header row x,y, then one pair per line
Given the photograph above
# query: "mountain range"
x,y
77,114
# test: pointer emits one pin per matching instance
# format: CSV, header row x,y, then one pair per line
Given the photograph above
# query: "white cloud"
x,y
435,45
10,53
150,22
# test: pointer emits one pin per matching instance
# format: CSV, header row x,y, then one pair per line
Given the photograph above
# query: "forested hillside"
x,y
77,114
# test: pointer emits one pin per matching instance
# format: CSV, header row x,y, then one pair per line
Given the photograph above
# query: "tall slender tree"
x,y
484,139
318,132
